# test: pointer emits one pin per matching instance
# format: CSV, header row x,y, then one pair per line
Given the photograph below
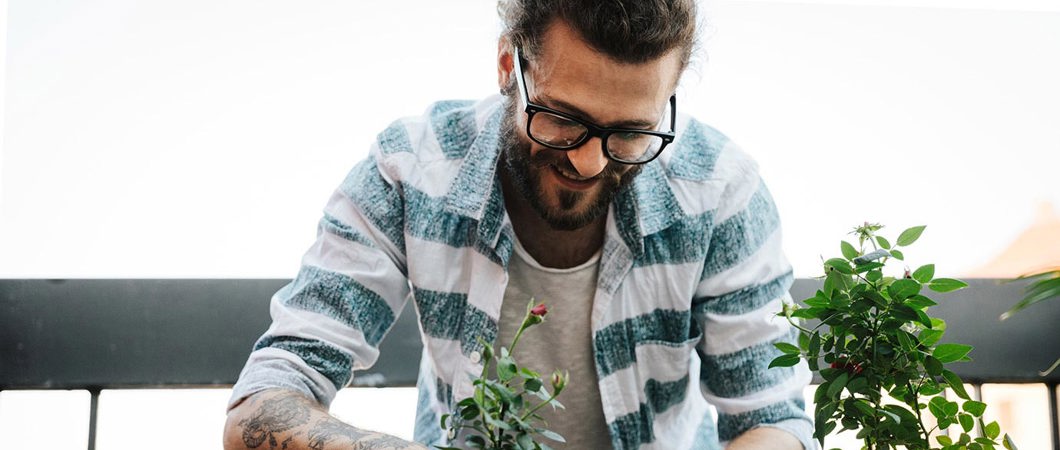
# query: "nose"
x,y
588,159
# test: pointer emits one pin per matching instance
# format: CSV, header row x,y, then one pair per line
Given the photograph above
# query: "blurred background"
x,y
200,139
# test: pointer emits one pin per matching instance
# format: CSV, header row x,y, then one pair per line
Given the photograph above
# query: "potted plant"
x,y
871,338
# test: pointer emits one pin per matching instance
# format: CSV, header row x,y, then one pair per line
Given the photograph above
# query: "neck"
x,y
559,249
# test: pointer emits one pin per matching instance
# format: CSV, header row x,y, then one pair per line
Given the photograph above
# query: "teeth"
x,y
570,175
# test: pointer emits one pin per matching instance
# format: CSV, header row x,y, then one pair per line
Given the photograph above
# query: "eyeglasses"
x,y
561,131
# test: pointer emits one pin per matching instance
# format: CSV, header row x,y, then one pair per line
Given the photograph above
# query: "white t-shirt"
x,y
563,341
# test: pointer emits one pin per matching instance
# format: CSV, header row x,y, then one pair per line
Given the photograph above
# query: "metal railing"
x,y
138,333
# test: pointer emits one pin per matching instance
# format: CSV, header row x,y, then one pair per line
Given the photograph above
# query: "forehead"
x,y
569,70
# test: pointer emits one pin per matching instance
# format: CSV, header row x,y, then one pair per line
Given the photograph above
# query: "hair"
x,y
629,31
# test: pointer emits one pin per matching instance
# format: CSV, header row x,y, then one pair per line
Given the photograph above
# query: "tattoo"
x,y
277,414
329,430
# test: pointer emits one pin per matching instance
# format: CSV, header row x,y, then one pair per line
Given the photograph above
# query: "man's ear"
x,y
505,64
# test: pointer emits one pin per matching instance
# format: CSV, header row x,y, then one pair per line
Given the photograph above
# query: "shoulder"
x,y
426,151
705,169
445,130
702,153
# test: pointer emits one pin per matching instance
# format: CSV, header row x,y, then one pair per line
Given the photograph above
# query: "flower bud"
x,y
559,381
539,310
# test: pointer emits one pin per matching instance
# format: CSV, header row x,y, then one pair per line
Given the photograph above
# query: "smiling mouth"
x,y
573,181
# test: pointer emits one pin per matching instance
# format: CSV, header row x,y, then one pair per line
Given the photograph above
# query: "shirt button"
x,y
476,357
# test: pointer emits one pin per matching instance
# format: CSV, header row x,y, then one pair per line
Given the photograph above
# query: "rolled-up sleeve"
x,y
328,322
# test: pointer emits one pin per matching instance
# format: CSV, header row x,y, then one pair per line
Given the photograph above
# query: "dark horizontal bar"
x,y
79,334
136,333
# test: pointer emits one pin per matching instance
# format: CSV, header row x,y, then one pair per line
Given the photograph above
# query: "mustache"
x,y
558,158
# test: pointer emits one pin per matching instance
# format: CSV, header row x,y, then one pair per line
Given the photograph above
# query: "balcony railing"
x,y
136,333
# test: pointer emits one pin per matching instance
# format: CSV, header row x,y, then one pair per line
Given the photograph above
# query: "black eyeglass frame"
x,y
593,130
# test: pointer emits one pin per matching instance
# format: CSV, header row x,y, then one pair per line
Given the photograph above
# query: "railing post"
x,y
1053,421
93,408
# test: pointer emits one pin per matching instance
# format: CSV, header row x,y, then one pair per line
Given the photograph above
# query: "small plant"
x,y
500,415
875,338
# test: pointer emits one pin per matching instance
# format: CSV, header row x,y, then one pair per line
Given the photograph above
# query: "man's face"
x,y
570,189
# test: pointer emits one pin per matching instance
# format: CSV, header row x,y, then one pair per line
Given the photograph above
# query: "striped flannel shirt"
x,y
683,320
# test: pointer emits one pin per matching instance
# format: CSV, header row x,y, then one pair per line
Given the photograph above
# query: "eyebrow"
x,y
577,112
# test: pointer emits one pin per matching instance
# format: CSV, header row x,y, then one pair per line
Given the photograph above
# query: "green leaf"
x,y
951,409
920,302
527,373
1038,291
552,435
967,422
1009,443
849,252
923,318
903,289
864,406
937,407
875,297
908,237
898,255
893,416
883,242
505,368
532,384
933,366
837,385
784,361
862,268
946,285
904,313
956,384
947,353
930,337
874,276
469,412
787,348
992,430
840,265
924,273
974,408
944,440
906,340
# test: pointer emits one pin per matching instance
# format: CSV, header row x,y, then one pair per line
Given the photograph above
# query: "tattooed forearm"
x,y
276,414
329,430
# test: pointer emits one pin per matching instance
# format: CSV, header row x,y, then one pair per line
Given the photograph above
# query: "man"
x,y
650,236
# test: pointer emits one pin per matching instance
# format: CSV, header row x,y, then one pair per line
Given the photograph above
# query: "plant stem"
x,y
539,406
518,334
916,409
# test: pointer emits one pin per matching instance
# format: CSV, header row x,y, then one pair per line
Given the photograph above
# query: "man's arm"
x,y
765,439
744,285
282,419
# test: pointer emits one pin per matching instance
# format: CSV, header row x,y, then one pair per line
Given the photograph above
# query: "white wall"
x,y
201,138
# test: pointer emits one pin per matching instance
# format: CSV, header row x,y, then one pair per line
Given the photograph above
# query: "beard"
x,y
574,209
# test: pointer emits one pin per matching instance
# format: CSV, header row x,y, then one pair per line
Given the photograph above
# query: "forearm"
x,y
281,419
765,438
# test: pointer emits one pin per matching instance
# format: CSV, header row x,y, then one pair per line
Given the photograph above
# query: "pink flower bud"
x,y
539,310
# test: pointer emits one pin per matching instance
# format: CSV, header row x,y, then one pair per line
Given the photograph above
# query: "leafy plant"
x,y
500,414
1046,285
875,338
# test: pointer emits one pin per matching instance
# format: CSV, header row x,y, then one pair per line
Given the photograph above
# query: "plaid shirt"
x,y
691,276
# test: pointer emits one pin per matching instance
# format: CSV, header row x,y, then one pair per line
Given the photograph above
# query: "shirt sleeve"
x,y
328,322
744,285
